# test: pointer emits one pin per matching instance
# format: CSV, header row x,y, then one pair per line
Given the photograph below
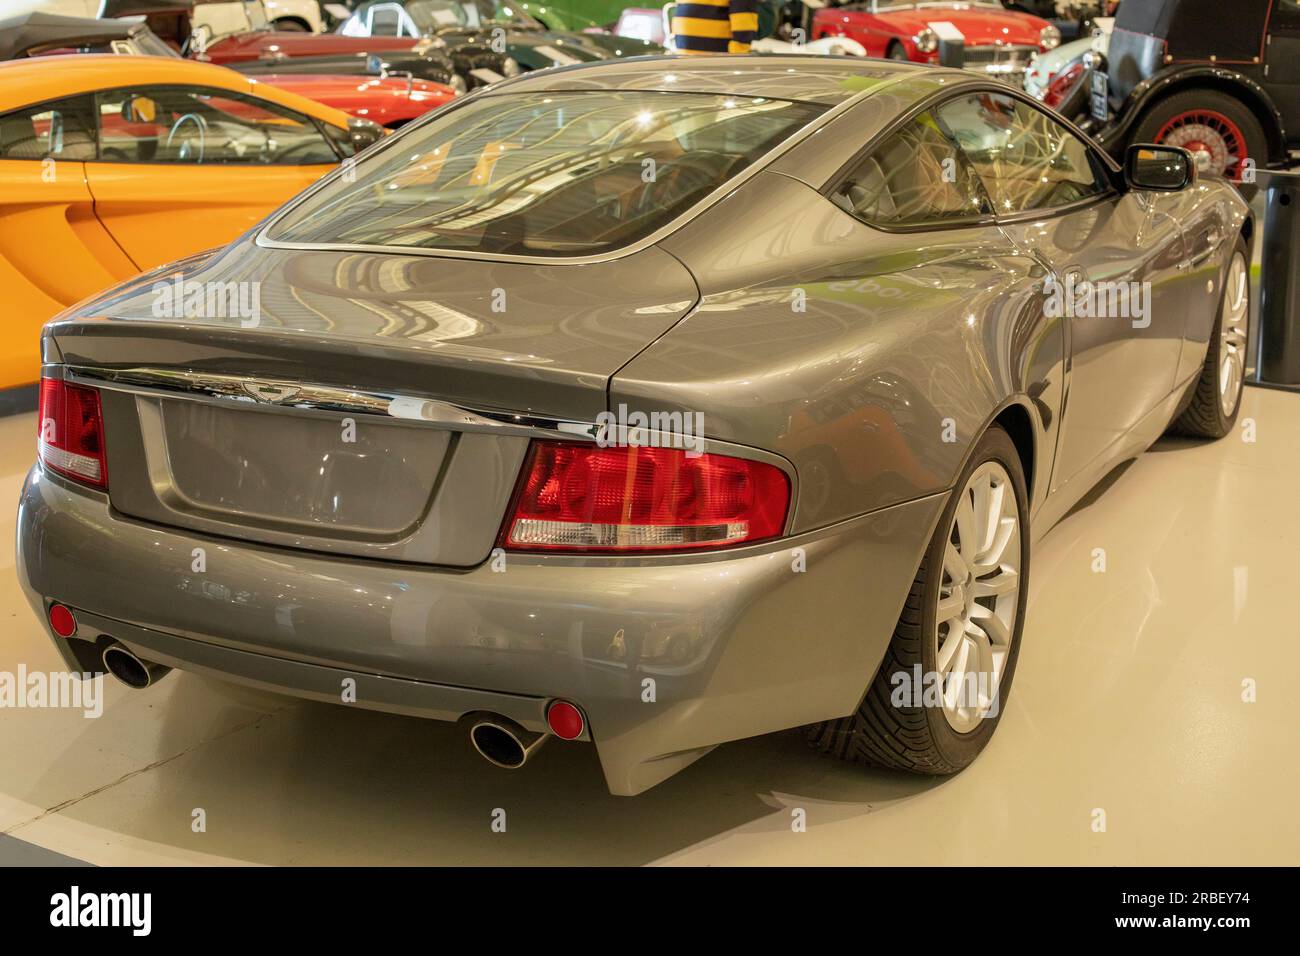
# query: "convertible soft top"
x,y
124,8
1199,29
34,32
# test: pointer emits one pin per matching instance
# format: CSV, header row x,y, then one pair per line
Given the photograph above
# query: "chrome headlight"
x,y
1049,38
927,41
510,67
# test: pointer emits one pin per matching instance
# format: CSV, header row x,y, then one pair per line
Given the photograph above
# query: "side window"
x,y
185,124
1026,159
64,129
917,176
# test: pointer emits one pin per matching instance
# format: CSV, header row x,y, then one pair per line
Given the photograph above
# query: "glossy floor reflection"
x,y
1128,701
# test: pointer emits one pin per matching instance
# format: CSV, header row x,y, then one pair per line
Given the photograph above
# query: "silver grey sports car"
x,y
654,404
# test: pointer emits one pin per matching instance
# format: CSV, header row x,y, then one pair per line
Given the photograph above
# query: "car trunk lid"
x,y
361,403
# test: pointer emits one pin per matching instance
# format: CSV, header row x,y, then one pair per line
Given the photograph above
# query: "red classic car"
x,y
996,40
283,44
389,101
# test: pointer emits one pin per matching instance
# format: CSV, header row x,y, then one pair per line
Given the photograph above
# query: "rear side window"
x,y
1027,160
64,129
917,177
547,174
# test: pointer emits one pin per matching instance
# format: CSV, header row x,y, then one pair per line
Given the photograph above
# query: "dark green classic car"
x,y
525,40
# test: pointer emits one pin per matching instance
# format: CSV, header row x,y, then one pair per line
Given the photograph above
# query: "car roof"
x,y
43,78
827,80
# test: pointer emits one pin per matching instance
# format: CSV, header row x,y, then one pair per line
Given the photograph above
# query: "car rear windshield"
x,y
544,174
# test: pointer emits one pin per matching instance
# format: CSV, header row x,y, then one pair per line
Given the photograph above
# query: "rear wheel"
x,y
1216,400
896,51
291,26
960,628
1220,131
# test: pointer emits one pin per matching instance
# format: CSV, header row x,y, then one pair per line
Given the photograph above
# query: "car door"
x,y
1113,256
53,251
181,169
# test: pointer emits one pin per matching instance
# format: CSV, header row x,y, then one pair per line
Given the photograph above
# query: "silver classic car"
x,y
654,404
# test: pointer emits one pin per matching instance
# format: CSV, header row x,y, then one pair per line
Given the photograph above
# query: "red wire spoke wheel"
x,y
1210,134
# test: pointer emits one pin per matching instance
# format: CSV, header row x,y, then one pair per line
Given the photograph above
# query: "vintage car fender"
x,y
1173,78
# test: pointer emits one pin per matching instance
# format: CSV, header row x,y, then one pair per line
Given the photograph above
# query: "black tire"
x,y
920,739
1203,417
291,26
1164,110
896,51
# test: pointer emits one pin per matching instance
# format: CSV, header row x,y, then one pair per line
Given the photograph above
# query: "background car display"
x,y
232,16
997,41
1226,87
260,49
389,101
918,210
1044,68
220,16
528,43
113,164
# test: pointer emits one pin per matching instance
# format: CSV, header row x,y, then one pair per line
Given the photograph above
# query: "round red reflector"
x,y
565,720
61,619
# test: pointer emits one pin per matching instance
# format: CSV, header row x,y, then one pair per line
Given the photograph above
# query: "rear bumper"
x,y
667,656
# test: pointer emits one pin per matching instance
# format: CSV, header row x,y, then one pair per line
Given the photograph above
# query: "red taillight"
x,y
70,439
579,497
1062,84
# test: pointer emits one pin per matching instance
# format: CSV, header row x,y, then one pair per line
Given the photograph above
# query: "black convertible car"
x,y
1221,80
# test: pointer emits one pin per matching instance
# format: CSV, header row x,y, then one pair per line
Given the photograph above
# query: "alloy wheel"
x,y
979,595
1233,319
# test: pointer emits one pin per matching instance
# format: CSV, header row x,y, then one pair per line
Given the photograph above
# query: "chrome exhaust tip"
x,y
131,670
503,743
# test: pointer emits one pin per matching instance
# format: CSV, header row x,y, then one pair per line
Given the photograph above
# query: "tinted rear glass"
x,y
545,174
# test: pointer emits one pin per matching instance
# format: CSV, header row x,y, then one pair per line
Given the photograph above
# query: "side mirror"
x,y
1162,168
363,133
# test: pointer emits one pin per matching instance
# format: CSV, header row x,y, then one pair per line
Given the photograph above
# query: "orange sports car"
x,y
112,165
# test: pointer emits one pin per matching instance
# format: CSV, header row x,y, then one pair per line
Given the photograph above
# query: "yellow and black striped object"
x,y
715,26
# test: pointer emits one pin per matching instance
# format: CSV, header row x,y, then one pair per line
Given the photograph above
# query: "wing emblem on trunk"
x,y
271,394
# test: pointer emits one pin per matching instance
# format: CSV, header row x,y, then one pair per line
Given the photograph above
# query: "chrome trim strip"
x,y
663,232
283,393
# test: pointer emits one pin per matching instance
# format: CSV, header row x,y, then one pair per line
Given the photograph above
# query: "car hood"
x,y
562,47
288,43
538,338
360,89
980,27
